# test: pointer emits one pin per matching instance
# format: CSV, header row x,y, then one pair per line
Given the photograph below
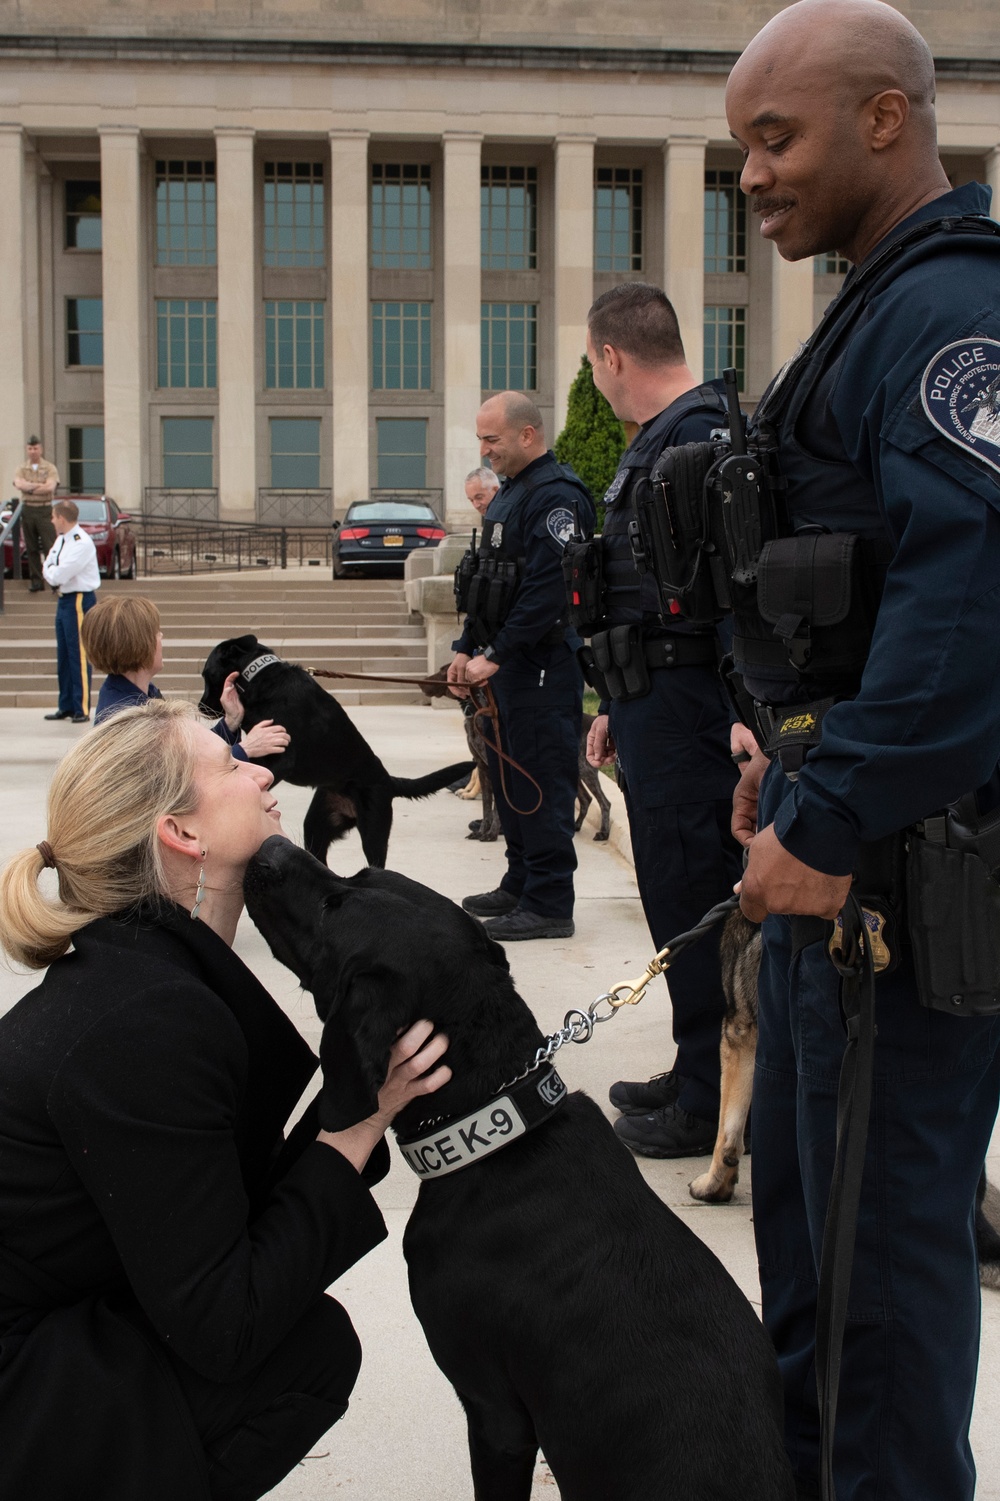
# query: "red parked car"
x,y
113,537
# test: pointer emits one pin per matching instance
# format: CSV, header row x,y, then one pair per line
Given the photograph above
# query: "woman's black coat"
x,y
147,1203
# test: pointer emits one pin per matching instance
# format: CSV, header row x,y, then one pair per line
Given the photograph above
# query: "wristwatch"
x,y
488,654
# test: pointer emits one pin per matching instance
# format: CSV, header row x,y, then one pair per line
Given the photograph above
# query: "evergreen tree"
x,y
593,439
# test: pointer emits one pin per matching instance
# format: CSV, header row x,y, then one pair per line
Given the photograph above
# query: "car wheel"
x,y
116,565
130,572
339,571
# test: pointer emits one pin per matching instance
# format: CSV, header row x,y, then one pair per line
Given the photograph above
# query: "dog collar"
x,y
258,664
452,1143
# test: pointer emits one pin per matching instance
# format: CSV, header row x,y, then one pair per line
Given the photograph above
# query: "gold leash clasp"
x,y
631,992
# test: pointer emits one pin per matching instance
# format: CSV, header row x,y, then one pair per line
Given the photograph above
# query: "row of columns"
x,y
124,281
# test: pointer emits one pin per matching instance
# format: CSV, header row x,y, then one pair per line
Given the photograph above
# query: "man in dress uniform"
x,y
71,568
516,640
670,734
883,433
37,481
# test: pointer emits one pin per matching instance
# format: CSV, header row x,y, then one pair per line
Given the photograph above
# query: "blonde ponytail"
x,y
104,802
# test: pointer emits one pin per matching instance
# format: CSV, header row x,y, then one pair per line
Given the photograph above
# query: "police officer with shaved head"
x,y
516,640
867,654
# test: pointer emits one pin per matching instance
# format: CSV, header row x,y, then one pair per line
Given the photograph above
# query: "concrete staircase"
x,y
355,625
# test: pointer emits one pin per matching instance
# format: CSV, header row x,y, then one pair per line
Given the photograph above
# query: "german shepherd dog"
x,y
740,950
569,1307
326,750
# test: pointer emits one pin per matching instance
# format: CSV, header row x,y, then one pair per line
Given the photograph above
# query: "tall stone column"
x,y
236,322
12,342
791,306
462,319
684,241
349,315
574,263
122,279
993,180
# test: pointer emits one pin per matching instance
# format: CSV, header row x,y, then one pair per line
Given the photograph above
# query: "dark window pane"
x,y
83,215
402,453
187,452
86,460
84,331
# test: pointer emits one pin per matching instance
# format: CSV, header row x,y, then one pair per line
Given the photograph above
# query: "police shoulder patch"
x,y
561,525
960,393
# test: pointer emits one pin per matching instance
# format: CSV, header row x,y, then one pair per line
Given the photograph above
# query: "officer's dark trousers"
x,y
71,659
257,1429
540,699
678,780
39,535
912,1343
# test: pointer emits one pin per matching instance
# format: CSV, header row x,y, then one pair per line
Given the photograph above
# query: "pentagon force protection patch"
x,y
614,489
960,392
561,525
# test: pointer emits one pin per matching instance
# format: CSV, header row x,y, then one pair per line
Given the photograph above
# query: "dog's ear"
x,y
364,1016
243,643
347,1096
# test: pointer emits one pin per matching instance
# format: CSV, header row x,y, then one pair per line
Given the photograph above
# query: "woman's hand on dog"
x,y
412,1073
266,739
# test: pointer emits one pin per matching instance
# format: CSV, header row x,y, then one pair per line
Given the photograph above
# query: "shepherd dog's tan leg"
x,y
739,1044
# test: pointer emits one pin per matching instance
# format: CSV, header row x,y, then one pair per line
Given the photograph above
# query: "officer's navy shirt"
x,y
925,727
118,692
536,530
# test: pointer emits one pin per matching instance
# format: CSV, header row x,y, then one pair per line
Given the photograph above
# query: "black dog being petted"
x,y
326,750
570,1308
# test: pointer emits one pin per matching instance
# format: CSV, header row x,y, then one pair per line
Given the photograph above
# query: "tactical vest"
x,y
630,597
487,581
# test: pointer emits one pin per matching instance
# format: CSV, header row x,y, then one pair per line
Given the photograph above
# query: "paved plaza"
x,y
404,1436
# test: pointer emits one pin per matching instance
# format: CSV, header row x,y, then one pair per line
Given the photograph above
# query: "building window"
x,y
725,342
402,453
185,213
508,199
85,331
831,265
401,346
401,215
293,346
725,223
187,453
86,460
293,214
295,453
509,346
185,343
618,219
83,216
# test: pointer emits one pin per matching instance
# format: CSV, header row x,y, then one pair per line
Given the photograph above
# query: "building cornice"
x,y
408,54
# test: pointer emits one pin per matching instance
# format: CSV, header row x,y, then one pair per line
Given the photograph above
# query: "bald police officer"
x,y
889,446
515,639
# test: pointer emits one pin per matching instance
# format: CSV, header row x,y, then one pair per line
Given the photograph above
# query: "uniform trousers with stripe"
x,y
71,659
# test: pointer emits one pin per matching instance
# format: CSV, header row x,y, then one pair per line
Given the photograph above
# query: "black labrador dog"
x,y
326,751
570,1308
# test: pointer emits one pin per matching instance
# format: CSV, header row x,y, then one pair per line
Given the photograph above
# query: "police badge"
x,y
960,393
496,534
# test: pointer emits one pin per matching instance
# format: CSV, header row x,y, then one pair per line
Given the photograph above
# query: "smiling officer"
x,y
875,622
515,638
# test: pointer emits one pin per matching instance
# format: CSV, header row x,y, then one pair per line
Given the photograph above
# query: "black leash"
x,y
856,966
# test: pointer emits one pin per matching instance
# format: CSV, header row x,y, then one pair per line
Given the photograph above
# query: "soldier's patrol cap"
x,y
34,442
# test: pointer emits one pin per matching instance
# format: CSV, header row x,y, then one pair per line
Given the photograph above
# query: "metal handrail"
x,y
11,529
169,544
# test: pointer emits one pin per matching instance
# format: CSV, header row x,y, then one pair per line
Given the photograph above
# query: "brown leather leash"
x,y
486,708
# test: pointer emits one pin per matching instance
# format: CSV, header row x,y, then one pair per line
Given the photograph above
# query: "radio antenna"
x,y
737,434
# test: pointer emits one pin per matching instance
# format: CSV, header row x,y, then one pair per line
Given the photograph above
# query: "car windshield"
x,y
390,510
92,510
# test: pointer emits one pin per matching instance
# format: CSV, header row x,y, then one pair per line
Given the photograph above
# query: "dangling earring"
x,y
199,895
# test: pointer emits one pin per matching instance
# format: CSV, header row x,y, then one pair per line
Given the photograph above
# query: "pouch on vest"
x,y
621,661
592,675
807,585
954,910
464,574
671,537
492,589
583,576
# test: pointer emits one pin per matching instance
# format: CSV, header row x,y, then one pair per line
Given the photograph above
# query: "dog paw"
x,y
601,835
713,1188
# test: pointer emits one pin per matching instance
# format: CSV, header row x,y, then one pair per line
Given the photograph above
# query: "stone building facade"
x,y
264,257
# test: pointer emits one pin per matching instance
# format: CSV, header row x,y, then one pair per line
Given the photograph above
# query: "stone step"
x,y
198,634
186,678
46,699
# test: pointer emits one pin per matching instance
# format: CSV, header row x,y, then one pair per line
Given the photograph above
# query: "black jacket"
x,y
147,1200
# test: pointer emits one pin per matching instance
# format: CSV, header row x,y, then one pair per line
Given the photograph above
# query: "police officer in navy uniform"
x,y
884,429
671,737
516,640
72,569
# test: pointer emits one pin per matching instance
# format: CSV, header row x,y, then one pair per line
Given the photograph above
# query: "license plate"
x,y
392,541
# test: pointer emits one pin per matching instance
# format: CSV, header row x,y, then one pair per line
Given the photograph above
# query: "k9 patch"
x,y
960,393
561,525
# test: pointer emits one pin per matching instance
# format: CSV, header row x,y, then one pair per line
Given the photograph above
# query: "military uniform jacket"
x,y
144,1087
71,566
42,475
630,596
532,517
904,419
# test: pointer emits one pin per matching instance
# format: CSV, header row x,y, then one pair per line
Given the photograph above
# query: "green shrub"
x,y
593,439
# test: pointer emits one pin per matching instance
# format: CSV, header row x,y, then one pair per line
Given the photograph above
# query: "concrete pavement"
x,y
404,1438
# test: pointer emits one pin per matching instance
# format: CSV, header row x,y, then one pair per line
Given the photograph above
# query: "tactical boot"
x,y
491,903
525,924
667,1132
638,1098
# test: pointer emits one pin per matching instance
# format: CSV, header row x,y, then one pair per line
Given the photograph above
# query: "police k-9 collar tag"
x,y
257,665
960,393
454,1144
